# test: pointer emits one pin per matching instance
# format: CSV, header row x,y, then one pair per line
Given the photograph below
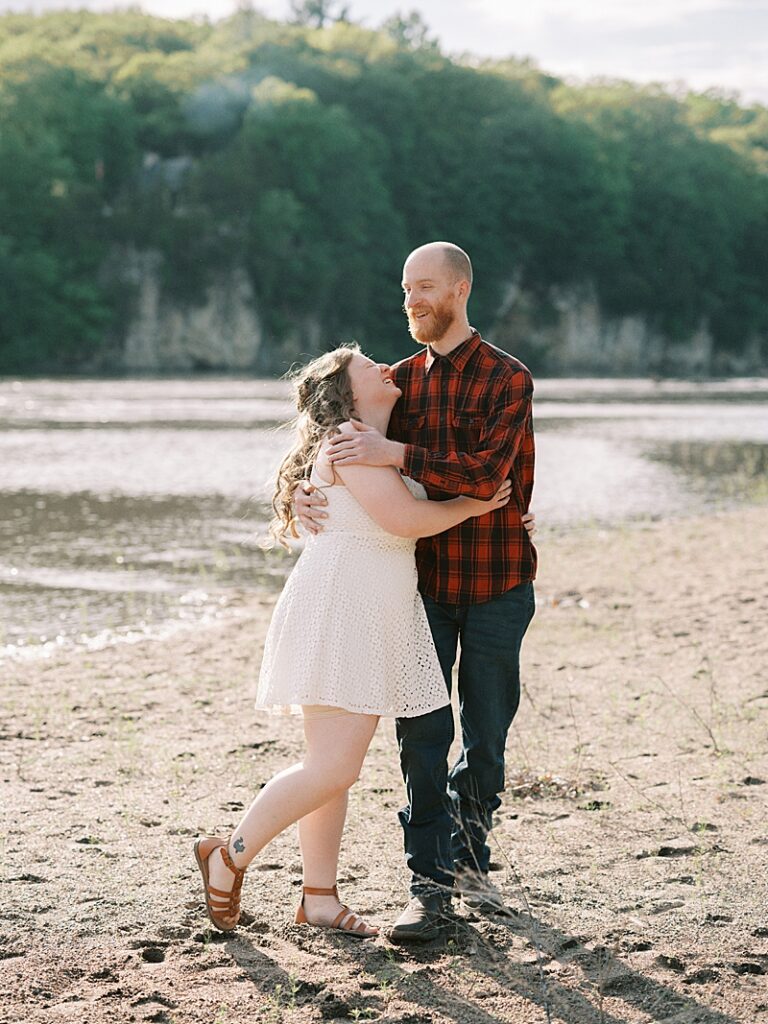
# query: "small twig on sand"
x,y
694,713
575,723
534,930
654,803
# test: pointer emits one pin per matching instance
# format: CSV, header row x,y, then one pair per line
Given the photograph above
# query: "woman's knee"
x,y
334,773
348,776
336,748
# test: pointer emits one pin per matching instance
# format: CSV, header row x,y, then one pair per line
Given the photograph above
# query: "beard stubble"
x,y
443,317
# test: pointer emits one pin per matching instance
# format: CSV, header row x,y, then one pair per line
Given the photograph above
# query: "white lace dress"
x,y
349,629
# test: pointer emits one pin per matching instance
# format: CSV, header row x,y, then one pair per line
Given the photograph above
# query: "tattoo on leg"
x,y
239,844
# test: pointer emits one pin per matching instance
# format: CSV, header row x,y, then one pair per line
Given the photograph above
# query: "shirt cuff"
x,y
414,462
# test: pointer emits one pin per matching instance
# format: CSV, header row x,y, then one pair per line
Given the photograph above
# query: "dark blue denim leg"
x,y
489,695
424,743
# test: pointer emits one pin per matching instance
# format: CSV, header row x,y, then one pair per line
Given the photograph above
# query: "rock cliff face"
x,y
567,332
564,333
223,332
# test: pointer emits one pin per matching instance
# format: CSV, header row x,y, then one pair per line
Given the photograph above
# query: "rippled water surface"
x,y
135,505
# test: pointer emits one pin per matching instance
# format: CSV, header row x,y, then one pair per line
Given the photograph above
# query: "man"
x,y
462,426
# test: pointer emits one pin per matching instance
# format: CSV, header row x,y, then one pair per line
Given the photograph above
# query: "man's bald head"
x,y
454,260
437,280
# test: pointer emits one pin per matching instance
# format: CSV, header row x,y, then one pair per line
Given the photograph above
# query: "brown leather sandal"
x,y
223,907
346,921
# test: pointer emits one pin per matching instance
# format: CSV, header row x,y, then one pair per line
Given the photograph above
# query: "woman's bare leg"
x,y
320,841
336,747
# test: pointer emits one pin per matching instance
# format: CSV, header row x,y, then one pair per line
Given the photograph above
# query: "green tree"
x,y
317,152
300,192
410,31
687,204
317,13
66,152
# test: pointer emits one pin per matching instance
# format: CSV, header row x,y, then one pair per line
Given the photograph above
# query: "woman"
x,y
349,639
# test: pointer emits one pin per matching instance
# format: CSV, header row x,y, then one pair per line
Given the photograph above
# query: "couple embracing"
x,y
434,456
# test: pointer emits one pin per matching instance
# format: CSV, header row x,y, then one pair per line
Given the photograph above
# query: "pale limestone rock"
x,y
570,333
222,333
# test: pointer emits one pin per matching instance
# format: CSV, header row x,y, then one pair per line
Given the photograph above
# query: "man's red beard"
x,y
433,328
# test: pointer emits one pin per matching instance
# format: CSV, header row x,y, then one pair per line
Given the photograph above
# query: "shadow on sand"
x,y
599,986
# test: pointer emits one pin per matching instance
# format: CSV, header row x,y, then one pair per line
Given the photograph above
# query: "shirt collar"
x,y
459,356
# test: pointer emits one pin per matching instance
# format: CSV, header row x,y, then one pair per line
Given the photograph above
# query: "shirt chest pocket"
x,y
468,430
415,429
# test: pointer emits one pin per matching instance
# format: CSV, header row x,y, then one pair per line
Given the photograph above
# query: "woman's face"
x,y
372,386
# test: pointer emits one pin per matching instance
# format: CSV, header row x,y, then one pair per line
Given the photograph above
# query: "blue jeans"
x,y
449,814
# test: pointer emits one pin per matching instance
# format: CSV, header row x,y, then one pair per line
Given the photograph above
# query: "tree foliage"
x,y
317,13
66,152
315,153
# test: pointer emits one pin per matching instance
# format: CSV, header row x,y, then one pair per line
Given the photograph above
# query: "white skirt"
x,y
350,631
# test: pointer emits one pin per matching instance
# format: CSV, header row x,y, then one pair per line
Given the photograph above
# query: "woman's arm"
x,y
310,509
385,497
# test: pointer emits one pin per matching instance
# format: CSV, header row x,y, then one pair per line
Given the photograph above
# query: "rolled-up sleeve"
x,y
480,473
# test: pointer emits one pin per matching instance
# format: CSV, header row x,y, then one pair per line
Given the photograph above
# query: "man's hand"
x,y
366,447
529,522
310,509
499,500
309,503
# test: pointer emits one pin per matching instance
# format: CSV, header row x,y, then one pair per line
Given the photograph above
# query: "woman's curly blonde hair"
x,y
323,395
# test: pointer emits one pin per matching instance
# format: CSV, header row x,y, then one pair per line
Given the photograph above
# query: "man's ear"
x,y
464,290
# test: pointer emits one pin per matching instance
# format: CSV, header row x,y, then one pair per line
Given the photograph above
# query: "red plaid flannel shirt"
x,y
465,419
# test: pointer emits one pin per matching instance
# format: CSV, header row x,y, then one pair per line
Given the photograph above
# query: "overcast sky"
x,y
705,43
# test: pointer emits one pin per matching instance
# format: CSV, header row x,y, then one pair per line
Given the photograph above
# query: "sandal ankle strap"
x,y
237,872
312,891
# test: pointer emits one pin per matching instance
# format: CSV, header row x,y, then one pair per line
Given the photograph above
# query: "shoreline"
x,y
637,776
230,603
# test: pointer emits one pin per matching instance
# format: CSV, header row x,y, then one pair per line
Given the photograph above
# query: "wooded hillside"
x,y
316,157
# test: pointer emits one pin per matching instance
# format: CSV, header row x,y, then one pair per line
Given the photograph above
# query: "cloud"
x,y
720,43
707,43
606,14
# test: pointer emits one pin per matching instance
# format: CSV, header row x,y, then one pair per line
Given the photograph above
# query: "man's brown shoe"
x,y
423,920
478,892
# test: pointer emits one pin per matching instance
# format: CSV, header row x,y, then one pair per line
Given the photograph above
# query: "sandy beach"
x,y
631,842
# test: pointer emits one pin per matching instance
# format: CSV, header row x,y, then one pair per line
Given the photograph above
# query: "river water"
x,y
135,506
